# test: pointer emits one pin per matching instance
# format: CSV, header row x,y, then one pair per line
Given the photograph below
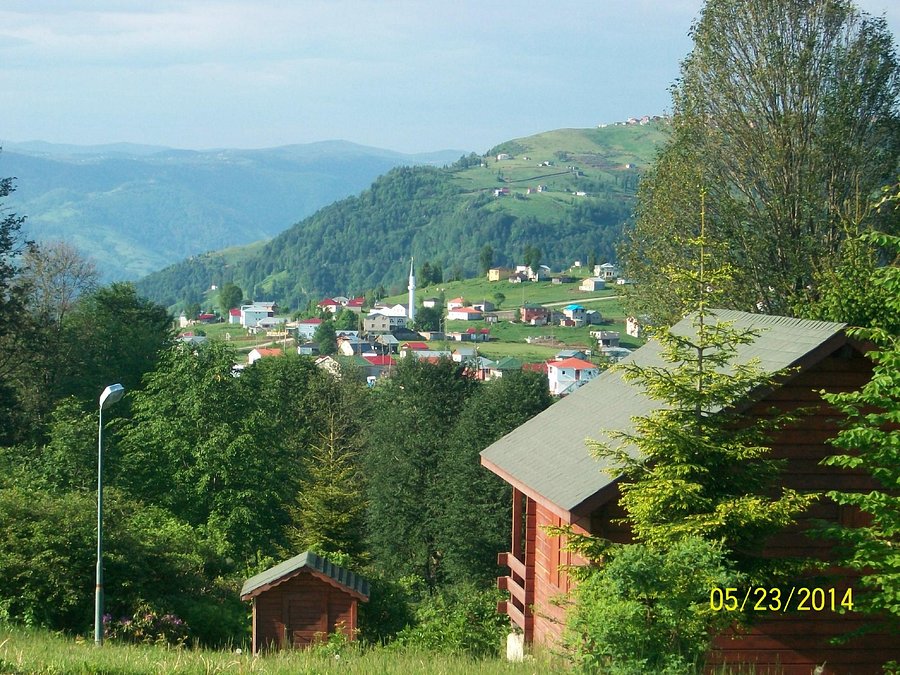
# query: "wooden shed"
x,y
301,599
556,481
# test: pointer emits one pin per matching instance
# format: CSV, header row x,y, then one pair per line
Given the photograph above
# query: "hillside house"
x,y
505,365
379,364
251,314
234,316
592,284
575,313
262,353
606,271
470,335
301,600
431,303
329,305
634,327
534,315
378,322
355,305
606,338
498,273
567,375
308,349
557,481
464,314
306,328
484,306
456,303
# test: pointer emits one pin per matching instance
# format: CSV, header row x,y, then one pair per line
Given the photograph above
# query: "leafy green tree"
x,y
647,610
788,113
486,258
429,318
326,337
532,256
869,442
412,413
499,298
13,317
346,320
116,336
230,296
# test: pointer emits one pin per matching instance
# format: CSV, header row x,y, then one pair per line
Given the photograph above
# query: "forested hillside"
x,y
136,209
570,193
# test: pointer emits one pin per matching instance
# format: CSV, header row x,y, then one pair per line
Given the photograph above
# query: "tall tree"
x,y
230,296
13,317
116,336
787,111
475,516
486,258
413,412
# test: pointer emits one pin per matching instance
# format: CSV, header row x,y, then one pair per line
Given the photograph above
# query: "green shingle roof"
x,y
548,456
305,561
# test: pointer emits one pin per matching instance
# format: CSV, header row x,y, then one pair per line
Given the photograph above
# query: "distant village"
x,y
385,332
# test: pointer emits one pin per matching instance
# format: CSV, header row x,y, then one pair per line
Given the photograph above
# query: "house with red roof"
x,y
262,353
234,315
569,374
330,305
306,328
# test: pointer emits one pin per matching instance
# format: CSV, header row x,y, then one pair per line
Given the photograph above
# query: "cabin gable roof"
x,y
548,457
307,561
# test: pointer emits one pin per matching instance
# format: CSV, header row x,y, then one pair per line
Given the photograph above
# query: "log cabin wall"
x,y
799,641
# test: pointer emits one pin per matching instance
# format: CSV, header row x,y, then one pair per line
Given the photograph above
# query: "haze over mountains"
x,y
135,209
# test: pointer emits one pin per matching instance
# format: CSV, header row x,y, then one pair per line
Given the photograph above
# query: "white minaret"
x,y
412,292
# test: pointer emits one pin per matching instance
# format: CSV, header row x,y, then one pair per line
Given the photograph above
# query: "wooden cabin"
x,y
301,600
556,481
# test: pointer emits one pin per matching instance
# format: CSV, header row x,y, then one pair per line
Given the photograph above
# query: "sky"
x,y
407,76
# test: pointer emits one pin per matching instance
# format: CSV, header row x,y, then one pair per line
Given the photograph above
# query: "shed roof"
x,y
548,458
306,561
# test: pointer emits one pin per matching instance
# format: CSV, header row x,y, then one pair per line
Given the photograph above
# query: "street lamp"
x,y
110,395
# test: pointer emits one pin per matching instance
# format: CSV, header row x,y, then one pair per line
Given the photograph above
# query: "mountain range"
x,y
135,209
568,193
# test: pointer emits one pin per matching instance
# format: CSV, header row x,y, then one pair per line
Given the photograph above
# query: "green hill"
x,y
567,192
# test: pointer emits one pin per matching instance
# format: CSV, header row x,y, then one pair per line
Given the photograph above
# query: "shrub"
x,y
647,610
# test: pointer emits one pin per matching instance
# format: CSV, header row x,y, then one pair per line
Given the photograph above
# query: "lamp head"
x,y
111,395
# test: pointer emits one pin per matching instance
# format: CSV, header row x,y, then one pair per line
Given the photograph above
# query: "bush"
x,y
460,620
649,611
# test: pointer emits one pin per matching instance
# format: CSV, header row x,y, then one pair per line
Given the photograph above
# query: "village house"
x,y
306,328
470,335
606,271
329,305
464,314
567,375
557,481
534,315
498,273
606,338
379,322
456,303
507,364
234,316
262,353
592,284
251,314
575,313
634,326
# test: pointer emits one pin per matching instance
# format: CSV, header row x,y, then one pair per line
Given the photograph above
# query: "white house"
x,y
567,375
307,328
251,314
606,271
456,303
633,326
464,314
592,284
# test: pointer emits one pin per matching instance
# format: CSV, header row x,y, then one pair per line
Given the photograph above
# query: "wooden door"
x,y
305,615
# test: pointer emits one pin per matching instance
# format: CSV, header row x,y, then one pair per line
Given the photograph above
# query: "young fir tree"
x,y
699,490
702,468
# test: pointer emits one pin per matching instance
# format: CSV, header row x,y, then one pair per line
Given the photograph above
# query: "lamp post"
x,y
110,395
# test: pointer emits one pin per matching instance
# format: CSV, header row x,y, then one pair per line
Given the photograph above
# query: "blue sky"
x,y
409,76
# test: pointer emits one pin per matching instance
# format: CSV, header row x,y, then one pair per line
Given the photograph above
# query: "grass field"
x,y
26,651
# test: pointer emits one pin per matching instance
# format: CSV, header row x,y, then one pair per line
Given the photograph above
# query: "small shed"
x,y
302,598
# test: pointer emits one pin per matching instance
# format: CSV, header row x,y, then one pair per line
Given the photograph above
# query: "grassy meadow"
x,y
27,651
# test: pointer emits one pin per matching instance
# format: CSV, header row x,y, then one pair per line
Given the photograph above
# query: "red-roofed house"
x,y
567,375
455,302
379,364
356,304
234,315
329,304
262,353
